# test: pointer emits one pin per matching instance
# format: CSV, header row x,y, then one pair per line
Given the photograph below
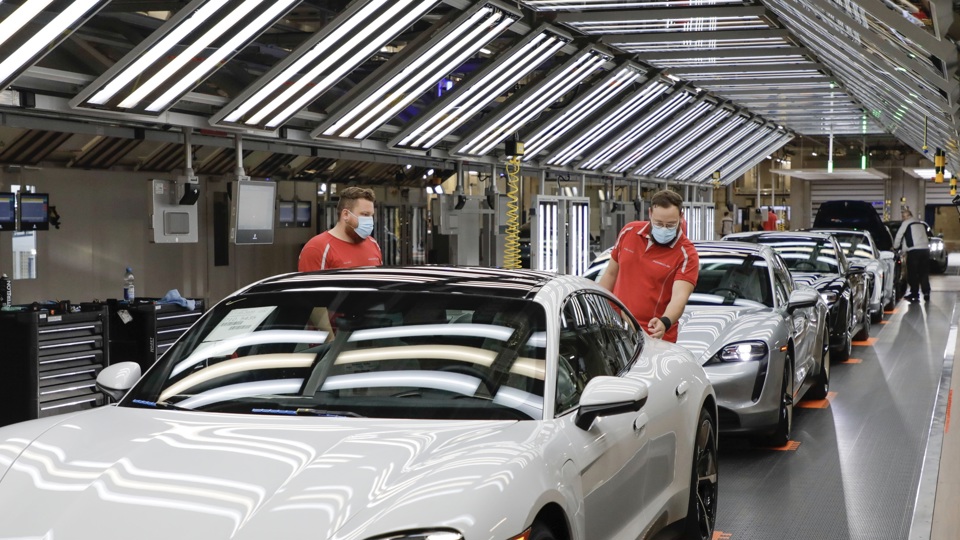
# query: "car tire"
x,y
821,386
540,531
702,505
876,316
781,434
864,332
842,353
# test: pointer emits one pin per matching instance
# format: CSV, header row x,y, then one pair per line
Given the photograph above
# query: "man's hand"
x,y
656,328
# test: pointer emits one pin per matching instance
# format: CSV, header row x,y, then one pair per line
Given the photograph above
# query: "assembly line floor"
x,y
877,459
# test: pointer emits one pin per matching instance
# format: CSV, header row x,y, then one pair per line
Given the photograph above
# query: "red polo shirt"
x,y
648,270
325,251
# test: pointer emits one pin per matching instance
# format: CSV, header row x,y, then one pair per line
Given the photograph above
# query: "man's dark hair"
x,y
725,214
350,196
666,198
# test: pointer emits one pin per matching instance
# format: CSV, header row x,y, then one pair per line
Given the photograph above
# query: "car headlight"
x,y
742,352
426,535
830,297
936,246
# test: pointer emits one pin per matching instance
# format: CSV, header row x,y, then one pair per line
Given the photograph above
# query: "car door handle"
x,y
682,388
641,422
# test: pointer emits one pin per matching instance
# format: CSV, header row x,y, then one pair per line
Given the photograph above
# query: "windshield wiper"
x,y
325,412
160,405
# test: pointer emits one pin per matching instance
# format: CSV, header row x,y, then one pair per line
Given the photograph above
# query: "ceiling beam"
x,y
631,15
666,56
657,37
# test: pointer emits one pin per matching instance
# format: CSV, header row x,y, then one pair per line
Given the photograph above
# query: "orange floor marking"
x,y
884,322
891,312
946,425
789,447
717,535
865,343
817,403
852,361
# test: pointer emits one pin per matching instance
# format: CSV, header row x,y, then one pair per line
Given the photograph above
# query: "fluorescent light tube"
x,y
639,129
701,147
40,40
19,18
685,139
722,154
677,124
611,121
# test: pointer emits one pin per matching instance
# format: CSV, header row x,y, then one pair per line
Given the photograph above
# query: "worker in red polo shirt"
x,y
349,243
654,267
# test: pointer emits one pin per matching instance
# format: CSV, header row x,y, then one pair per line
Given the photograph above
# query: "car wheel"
x,y
842,353
702,506
821,387
864,332
781,435
540,531
876,316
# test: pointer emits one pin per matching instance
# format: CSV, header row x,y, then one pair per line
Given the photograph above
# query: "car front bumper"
x,y
736,384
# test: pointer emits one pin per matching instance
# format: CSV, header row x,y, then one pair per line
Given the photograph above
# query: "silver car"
x,y
762,340
422,403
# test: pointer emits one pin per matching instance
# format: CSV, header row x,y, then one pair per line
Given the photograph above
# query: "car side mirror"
x,y
887,256
801,299
607,396
118,379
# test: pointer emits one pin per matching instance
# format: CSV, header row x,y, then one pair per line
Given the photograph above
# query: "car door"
x,y
611,455
803,324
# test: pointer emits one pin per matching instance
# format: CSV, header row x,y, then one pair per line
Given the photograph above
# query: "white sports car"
x,y
430,403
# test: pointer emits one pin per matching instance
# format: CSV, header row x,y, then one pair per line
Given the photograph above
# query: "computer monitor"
x,y
33,211
304,213
8,211
254,204
285,213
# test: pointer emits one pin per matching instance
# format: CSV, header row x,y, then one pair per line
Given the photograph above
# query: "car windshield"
x,y
737,279
357,353
855,245
805,255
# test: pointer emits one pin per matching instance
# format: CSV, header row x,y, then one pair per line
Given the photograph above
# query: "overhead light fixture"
x,y
644,125
21,48
350,39
406,77
748,159
656,139
612,86
703,146
182,53
683,140
523,107
714,160
613,119
490,82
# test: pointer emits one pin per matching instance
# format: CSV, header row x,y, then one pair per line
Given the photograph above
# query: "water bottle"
x,y
128,292
6,291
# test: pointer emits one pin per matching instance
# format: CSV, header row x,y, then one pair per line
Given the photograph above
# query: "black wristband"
x,y
667,323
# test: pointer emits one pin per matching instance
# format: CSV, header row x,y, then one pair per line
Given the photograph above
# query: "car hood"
x,y
705,329
818,281
121,472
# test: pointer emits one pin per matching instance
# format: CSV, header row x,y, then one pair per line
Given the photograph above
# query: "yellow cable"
x,y
511,254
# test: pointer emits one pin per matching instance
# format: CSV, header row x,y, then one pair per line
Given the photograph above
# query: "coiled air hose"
x,y
511,254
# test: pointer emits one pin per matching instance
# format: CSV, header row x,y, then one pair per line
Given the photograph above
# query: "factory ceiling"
x,y
694,91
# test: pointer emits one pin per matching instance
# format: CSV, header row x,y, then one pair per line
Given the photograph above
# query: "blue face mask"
x,y
364,225
664,235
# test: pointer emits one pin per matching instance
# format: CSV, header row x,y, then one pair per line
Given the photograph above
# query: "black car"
x,y
817,260
862,216
938,252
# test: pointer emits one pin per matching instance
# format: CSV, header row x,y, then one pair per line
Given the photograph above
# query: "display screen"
x,y
303,213
33,211
8,211
254,212
285,209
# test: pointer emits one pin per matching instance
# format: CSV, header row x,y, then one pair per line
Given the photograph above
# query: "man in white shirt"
x,y
912,240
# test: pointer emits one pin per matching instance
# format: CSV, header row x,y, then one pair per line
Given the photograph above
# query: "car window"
x,y
806,254
588,346
732,278
855,245
366,353
782,274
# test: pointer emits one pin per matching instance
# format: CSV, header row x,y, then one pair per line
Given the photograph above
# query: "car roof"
x,y
779,234
861,232
516,284
727,245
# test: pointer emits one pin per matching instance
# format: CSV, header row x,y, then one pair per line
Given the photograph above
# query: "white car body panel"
x,y
118,472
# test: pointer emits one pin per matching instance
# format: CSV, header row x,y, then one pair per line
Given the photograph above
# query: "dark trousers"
x,y
918,271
